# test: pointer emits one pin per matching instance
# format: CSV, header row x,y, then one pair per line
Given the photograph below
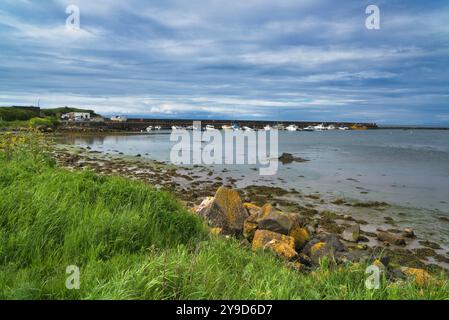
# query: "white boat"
x,y
210,127
176,128
331,127
149,128
319,127
227,127
157,127
343,128
267,127
279,127
309,128
245,128
292,127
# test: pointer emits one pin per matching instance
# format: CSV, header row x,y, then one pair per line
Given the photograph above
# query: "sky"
x,y
311,60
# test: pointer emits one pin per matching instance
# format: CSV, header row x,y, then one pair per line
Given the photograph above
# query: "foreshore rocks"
x,y
267,208
301,242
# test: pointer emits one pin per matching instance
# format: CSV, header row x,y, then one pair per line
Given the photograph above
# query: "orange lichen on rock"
x,y
282,245
229,200
421,276
301,236
225,211
252,208
216,231
249,229
316,247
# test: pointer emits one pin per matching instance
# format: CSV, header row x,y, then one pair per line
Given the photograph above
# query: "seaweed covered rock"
x,y
391,238
225,211
282,245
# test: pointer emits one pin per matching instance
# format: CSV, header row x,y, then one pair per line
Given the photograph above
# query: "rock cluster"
x,y
290,238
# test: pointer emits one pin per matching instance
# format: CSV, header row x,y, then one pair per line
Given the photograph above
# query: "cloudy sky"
x,y
252,59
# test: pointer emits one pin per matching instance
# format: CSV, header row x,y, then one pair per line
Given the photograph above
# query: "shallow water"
x,y
402,167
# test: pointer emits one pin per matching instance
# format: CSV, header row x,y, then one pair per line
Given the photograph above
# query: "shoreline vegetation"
x,y
131,239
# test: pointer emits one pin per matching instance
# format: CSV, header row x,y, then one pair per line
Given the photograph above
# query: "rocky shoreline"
x,y
300,228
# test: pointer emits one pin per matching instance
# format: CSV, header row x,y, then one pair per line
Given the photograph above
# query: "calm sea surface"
x,y
409,168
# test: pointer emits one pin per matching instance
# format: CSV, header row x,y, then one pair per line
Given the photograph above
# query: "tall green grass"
x,y
134,242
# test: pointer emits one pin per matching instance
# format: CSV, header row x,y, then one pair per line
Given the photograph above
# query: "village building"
x,y
76,116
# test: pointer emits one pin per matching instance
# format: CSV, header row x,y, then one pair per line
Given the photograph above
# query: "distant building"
x,y
119,118
76,116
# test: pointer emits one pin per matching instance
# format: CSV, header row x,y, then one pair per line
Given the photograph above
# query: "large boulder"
x,y
391,238
282,245
274,220
225,211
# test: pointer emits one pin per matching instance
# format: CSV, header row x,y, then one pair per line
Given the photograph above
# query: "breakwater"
x,y
137,125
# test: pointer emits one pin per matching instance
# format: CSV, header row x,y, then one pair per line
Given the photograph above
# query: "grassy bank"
x,y
134,242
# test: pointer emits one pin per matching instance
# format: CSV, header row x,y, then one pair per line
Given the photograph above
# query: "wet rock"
x,y
225,211
408,233
286,158
351,233
282,245
391,238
